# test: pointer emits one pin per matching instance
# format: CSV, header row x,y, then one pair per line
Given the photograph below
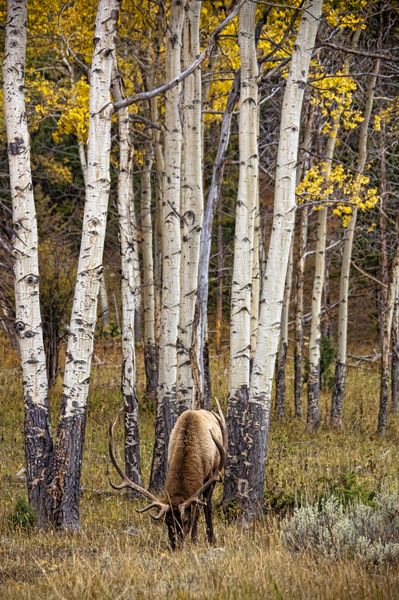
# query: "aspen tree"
x,y
150,347
251,476
220,279
191,204
27,325
283,344
395,357
255,278
200,324
240,318
386,338
313,387
340,369
64,488
300,270
171,248
130,284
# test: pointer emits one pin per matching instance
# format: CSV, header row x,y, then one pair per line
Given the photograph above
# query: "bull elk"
x,y
196,456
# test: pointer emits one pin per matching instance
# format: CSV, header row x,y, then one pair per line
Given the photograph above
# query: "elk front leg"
x,y
208,514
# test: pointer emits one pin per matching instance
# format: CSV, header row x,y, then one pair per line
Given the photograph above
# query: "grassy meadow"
x,y
120,554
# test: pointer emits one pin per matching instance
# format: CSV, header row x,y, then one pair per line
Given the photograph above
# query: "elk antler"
x,y
128,483
216,475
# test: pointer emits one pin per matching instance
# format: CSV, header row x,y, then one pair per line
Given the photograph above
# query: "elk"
x,y
196,456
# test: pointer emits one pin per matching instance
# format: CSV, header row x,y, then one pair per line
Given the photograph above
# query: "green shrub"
x,y
332,530
23,515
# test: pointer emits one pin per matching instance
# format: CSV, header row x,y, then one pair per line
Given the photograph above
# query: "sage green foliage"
x,y
334,530
23,515
347,490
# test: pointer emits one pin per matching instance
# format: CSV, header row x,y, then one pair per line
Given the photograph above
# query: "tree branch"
x,y
165,87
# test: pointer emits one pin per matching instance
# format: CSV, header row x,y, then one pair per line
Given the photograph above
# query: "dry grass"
x,y
120,554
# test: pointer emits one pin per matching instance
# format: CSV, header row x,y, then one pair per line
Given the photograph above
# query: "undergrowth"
x,y
120,554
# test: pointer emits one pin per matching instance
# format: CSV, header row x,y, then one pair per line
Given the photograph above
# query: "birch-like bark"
x,y
299,325
340,368
104,311
171,248
300,267
64,488
283,344
241,292
251,480
130,284
220,279
192,204
395,357
313,388
200,326
386,338
255,296
104,302
159,171
28,324
150,347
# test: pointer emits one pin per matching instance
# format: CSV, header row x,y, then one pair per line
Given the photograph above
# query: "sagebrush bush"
x,y
332,530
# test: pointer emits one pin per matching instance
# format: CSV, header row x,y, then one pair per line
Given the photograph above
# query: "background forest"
x,y
198,200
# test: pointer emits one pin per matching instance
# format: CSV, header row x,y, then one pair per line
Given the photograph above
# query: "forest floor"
x,y
120,554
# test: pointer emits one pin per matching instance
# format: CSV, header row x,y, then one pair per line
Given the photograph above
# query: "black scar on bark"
x,y
16,147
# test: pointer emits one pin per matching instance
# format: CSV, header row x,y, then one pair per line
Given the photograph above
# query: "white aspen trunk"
x,y
130,282
219,276
104,302
313,387
28,324
255,279
340,368
300,280
64,488
171,247
395,357
240,319
150,347
103,298
191,205
283,344
159,169
386,339
200,328
300,267
251,480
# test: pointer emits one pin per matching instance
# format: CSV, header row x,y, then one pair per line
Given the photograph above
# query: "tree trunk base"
x,y
63,501
313,417
237,407
338,395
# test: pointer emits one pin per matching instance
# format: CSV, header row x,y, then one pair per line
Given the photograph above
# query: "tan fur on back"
x,y
193,455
